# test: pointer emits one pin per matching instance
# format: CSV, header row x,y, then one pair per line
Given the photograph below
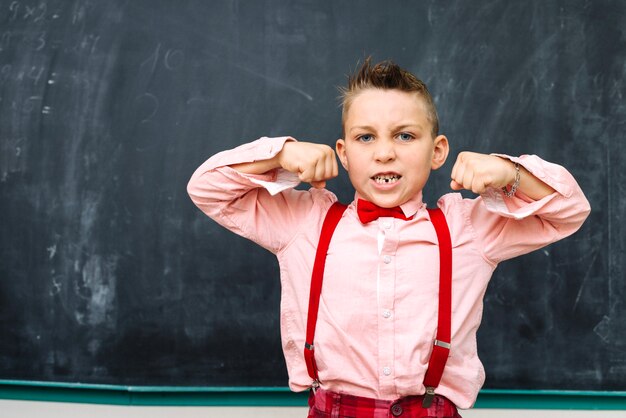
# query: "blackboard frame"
x,y
281,396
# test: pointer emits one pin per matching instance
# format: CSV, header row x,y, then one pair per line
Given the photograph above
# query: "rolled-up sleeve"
x,y
263,208
507,227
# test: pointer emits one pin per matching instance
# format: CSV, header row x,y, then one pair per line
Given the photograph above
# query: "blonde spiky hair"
x,y
386,75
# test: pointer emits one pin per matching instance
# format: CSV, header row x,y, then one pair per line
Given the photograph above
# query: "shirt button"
x,y
396,410
387,224
387,371
386,313
387,259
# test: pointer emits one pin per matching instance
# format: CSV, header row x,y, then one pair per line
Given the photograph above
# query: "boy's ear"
x,y
340,148
440,152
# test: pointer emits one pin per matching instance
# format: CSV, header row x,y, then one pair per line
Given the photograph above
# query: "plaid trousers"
x,y
326,404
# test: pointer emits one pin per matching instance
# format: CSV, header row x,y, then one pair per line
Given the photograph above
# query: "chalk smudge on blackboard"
x,y
97,286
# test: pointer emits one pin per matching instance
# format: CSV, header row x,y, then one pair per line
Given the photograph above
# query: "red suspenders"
x,y
330,223
441,348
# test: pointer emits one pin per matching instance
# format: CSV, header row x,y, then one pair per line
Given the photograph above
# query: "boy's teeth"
x,y
386,179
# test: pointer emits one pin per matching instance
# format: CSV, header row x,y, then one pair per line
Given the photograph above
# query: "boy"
x,y
378,310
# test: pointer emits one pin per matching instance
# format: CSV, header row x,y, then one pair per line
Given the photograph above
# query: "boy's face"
x,y
388,149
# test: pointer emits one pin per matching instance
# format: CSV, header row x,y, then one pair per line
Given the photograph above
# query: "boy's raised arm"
x,y
478,172
547,206
249,189
314,163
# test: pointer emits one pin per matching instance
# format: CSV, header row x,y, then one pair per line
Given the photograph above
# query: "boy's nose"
x,y
385,151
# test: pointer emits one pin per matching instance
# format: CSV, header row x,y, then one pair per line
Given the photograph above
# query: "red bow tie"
x,y
369,212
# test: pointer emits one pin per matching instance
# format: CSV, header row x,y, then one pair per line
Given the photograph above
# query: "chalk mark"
x,y
275,81
271,80
173,59
585,278
155,105
52,250
153,59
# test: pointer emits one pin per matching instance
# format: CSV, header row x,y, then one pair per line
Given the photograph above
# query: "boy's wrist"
x,y
257,167
511,169
514,180
282,157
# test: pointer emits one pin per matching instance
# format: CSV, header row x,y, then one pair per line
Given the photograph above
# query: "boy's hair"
x,y
386,75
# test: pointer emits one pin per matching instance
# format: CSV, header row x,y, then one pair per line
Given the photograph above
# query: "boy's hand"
x,y
314,163
477,172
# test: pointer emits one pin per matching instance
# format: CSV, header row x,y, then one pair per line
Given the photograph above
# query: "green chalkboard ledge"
x,y
279,396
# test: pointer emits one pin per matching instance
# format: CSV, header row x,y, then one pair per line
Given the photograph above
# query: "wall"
x,y
23,409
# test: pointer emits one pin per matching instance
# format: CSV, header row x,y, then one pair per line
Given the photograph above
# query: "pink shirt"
x,y
378,309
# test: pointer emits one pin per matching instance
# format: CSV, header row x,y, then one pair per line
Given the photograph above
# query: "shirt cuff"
x,y
280,181
517,207
262,149
552,174
521,206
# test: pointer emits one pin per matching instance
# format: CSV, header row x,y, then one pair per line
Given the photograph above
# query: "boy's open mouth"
x,y
386,178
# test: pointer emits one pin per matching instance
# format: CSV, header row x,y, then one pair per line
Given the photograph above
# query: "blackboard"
x,y
109,274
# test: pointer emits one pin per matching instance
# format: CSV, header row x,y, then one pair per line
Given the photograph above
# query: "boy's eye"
x,y
405,137
365,138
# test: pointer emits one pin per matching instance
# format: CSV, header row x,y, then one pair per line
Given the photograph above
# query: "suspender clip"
x,y
428,397
443,344
315,385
